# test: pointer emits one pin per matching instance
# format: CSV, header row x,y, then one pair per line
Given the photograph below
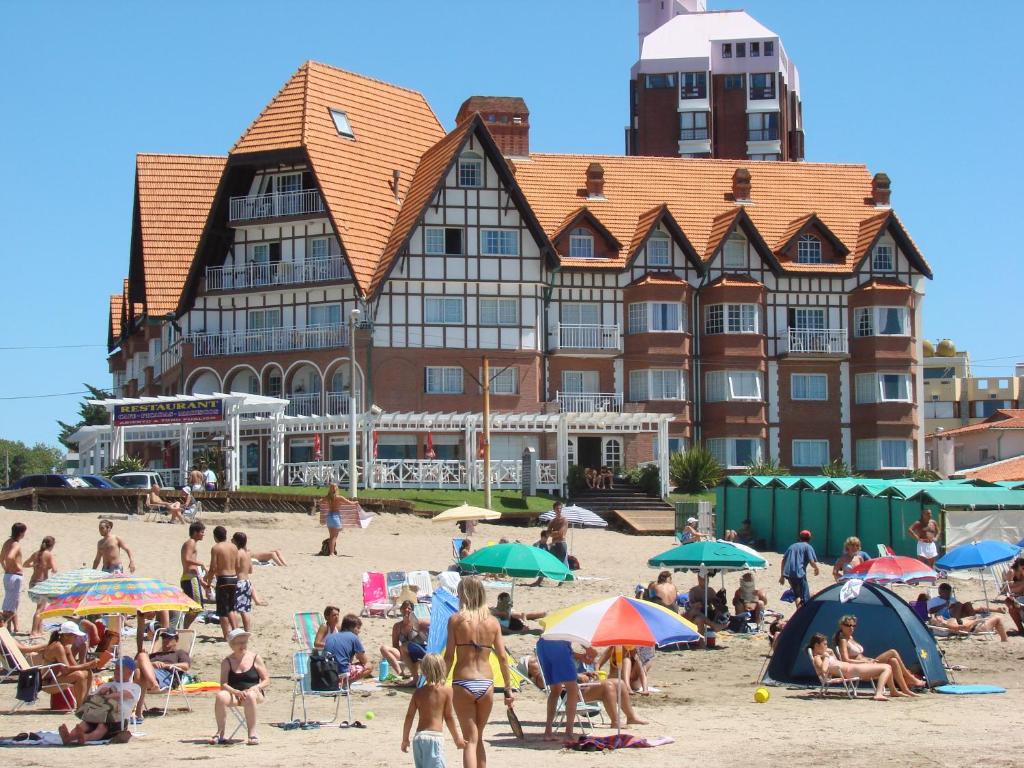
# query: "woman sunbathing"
x,y
828,667
513,621
853,652
970,625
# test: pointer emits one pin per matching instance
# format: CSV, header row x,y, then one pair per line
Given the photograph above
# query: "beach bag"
x,y
29,685
324,673
96,709
325,548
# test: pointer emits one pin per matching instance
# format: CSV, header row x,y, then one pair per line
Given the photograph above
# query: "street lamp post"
x,y
353,464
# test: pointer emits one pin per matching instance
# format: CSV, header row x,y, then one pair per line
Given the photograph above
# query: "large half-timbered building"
x,y
628,306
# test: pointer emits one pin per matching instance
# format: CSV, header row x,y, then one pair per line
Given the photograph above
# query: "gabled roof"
x,y
801,226
393,127
646,224
997,471
725,223
427,182
173,195
698,195
657,278
873,227
571,221
883,284
1003,418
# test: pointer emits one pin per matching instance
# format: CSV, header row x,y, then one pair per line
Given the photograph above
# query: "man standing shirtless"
x,y
246,595
926,531
190,565
224,568
10,556
108,550
556,532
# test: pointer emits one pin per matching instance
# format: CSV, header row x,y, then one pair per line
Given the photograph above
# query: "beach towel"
x,y
617,741
45,739
969,690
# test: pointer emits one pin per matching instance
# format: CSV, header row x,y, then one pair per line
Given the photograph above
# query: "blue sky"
x,y
922,89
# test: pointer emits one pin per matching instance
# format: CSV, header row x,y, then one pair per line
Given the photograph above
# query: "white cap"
x,y
70,628
691,520
237,634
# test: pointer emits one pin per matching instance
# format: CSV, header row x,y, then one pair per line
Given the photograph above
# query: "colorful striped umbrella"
x,y
61,582
576,515
891,570
119,594
619,621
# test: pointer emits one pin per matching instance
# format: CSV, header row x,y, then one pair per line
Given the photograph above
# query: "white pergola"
x,y
259,416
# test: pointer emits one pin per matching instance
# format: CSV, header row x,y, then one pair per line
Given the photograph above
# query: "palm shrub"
x,y
924,476
695,470
838,468
125,464
766,467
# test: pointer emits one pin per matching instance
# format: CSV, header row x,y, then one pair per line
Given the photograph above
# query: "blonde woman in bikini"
x,y
853,652
828,666
474,634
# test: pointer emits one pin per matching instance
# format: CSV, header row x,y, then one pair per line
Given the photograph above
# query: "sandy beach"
x,y
705,699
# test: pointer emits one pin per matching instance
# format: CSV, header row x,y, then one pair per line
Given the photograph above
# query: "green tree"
x,y
18,459
88,415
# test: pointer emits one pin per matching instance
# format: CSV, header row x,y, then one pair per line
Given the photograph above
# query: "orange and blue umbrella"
x,y
119,594
619,621
892,570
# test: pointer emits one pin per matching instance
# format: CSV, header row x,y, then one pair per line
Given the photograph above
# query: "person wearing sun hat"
x,y
243,679
798,556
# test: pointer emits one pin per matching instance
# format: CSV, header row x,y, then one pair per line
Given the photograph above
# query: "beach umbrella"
x,y
465,512
578,517
516,560
119,594
618,621
891,570
61,582
978,555
713,555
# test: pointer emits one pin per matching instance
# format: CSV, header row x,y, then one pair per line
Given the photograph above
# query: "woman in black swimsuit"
x,y
243,678
474,634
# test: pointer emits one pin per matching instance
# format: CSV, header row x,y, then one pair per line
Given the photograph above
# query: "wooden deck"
x,y
647,522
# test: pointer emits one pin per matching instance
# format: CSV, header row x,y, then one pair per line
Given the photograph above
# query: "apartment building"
x,y
628,306
711,84
954,398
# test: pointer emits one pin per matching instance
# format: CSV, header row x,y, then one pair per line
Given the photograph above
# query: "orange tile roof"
x,y
174,195
1003,418
698,194
393,128
657,278
883,284
114,326
1005,470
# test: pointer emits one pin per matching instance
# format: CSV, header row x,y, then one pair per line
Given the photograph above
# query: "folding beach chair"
x,y
187,641
47,674
306,625
375,595
585,711
395,581
456,546
423,583
826,683
302,689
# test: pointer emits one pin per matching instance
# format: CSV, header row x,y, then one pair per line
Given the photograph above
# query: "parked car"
x,y
144,480
99,481
48,481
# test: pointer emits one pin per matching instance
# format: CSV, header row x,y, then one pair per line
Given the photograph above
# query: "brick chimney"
x,y
595,180
507,118
741,185
881,190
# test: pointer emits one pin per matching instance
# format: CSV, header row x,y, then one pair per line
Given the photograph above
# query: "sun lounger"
x,y
423,583
306,625
375,595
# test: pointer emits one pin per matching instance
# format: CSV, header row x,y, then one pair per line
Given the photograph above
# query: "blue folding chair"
x,y
302,689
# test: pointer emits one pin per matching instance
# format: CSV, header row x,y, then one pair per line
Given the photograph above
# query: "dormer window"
x,y
808,250
471,170
882,258
734,255
659,252
581,244
342,124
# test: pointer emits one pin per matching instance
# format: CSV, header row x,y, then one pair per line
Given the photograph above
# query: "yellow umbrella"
x,y
466,512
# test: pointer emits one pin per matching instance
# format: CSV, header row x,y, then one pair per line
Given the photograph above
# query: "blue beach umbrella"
x,y
977,554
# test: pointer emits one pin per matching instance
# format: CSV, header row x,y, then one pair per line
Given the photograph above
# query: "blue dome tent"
x,y
884,620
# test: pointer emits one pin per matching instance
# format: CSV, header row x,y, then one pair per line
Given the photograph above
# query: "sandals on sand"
x,y
353,724
217,741
253,741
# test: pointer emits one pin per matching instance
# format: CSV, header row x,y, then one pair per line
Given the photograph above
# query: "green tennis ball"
x,y
370,714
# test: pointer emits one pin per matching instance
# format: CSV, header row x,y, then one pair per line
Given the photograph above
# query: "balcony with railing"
x,y
830,341
589,402
260,274
304,404
300,202
338,402
598,338
421,473
258,341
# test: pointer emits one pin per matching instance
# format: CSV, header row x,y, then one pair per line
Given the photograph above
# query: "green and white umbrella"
x,y
62,582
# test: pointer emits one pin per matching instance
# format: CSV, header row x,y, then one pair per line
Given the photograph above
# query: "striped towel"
x,y
352,514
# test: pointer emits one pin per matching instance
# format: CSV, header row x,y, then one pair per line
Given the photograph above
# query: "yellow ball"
x,y
370,714
761,695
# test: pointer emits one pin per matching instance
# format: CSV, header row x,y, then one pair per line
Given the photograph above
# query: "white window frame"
x,y
589,382
436,310
870,454
808,250
314,242
800,448
645,316
870,388
868,320
649,384
506,382
264,313
581,244
883,258
735,251
930,409
470,171
722,386
342,123
807,387
499,242
502,310
661,258
447,380
434,248
732,318
577,307
724,450
323,308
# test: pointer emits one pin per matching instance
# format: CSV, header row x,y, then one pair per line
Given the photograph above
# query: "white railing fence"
x,y
422,473
250,207
419,473
268,340
304,404
337,403
316,472
257,274
831,341
589,402
588,336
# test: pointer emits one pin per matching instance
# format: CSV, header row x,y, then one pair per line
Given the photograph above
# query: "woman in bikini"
x,y
828,666
474,634
243,678
43,565
408,643
853,652
849,560
330,515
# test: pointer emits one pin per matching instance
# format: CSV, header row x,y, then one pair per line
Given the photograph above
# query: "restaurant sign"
x,y
168,412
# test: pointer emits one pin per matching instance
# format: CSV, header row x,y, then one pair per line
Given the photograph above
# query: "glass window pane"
x,y
433,241
638,318
638,390
892,321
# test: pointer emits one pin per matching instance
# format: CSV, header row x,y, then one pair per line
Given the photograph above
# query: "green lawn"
x,y
510,503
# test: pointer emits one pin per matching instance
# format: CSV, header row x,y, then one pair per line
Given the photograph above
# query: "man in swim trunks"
x,y
11,558
245,595
108,550
559,667
665,592
224,569
926,531
190,567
